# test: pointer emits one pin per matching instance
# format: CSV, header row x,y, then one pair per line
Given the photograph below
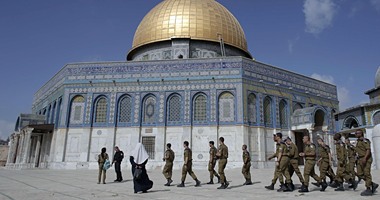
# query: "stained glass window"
x,y
267,111
149,110
252,108
174,106
282,113
77,110
125,109
101,110
226,107
200,108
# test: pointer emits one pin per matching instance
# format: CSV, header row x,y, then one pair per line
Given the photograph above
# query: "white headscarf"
x,y
139,154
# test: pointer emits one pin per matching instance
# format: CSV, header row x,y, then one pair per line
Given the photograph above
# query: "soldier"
x,y
351,156
363,149
222,155
246,166
324,162
341,155
212,163
276,174
187,166
293,162
168,168
282,163
309,155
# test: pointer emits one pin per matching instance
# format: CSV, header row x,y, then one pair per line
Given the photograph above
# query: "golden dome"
x,y
194,19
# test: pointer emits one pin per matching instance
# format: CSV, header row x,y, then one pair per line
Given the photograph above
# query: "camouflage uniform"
x,y
293,163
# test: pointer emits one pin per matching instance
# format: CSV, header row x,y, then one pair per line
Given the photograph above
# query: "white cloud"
x,y
376,4
319,15
324,78
6,128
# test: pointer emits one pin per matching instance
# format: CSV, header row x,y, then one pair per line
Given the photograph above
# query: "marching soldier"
x,y
309,154
187,166
168,168
293,162
212,162
351,156
282,164
324,162
222,155
276,174
341,155
246,166
363,148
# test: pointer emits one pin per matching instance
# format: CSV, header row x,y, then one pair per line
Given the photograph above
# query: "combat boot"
x,y
211,182
292,186
340,187
367,192
287,187
247,182
226,184
316,184
197,183
222,186
169,182
270,187
181,185
303,189
324,186
374,187
282,188
354,184
335,184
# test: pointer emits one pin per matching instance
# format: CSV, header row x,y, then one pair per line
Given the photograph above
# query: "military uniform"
x,y
168,168
212,163
187,167
283,164
246,167
310,153
351,156
364,171
341,173
293,162
223,155
276,174
324,163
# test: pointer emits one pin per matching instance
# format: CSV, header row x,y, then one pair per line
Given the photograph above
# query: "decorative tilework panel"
x,y
200,108
267,111
174,109
149,110
252,108
226,107
77,110
283,114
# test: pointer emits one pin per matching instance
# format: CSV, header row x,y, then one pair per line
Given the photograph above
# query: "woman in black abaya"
x,y
138,160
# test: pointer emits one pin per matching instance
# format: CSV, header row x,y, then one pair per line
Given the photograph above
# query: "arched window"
x,y
101,110
149,110
226,107
58,113
252,108
267,111
283,114
376,118
350,122
77,110
297,106
125,109
174,109
53,113
200,108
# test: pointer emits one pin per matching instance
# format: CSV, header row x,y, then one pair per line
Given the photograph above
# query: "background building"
x,y
188,76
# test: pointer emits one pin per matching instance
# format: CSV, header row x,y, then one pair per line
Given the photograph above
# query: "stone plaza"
x,y
82,184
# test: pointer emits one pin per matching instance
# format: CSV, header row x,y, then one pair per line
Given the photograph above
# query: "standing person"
x,y
187,166
324,162
282,163
138,160
309,154
341,155
117,159
246,166
222,155
168,168
212,163
363,148
275,174
102,157
293,162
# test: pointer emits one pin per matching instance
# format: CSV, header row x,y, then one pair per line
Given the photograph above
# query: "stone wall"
x,y
3,154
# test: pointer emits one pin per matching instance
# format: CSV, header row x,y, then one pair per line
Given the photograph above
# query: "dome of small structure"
x,y
203,20
377,78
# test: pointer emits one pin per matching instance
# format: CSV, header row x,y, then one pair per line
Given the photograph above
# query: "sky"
x,y
336,41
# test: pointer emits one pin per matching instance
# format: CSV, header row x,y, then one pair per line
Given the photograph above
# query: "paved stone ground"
x,y
82,184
